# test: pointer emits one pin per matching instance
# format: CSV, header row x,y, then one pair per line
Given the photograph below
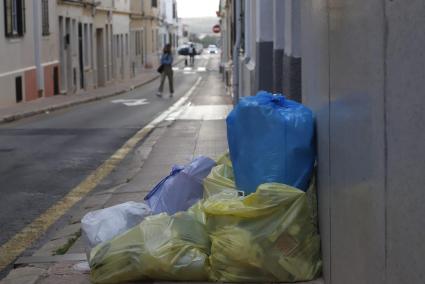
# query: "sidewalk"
x,y
196,129
42,105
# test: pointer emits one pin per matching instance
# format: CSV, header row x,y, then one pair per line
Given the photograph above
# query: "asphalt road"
x,y
42,158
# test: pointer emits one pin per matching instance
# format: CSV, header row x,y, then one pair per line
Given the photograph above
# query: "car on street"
x,y
184,48
212,49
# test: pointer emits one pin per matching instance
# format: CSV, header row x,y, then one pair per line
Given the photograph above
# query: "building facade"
x,y
151,19
76,42
359,65
73,46
168,30
29,56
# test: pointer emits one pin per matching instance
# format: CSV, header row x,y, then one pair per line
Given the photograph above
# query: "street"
x,y
44,157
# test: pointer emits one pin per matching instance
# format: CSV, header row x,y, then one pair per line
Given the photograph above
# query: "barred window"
x,y
45,17
14,16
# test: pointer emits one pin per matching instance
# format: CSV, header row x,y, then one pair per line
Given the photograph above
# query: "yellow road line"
x,y
22,240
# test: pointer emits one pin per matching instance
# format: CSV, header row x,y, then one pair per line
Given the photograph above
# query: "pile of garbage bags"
x,y
201,223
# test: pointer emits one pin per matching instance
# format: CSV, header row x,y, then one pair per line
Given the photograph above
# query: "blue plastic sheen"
x,y
181,188
271,139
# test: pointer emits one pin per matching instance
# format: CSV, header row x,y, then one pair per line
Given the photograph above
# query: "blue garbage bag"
x,y
271,139
181,188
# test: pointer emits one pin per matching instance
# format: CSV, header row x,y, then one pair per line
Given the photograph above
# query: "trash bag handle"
x,y
278,100
176,169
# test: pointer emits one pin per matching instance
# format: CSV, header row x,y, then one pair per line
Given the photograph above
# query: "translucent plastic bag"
x,y
104,224
270,235
220,178
271,139
162,247
181,188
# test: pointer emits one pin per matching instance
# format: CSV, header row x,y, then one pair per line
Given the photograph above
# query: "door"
x,y
68,56
81,54
100,47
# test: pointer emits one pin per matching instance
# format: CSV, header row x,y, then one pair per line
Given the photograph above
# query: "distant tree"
x,y
207,40
194,38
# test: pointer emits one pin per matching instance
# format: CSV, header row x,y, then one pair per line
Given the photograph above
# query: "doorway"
x,y
80,54
100,58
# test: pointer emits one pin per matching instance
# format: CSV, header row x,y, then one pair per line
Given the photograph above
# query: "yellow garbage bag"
x,y
270,235
221,177
161,247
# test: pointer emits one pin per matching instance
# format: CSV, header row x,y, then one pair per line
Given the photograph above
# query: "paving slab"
x,y
24,275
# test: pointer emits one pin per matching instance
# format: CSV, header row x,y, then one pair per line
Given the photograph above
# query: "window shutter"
x,y
21,16
24,12
8,18
45,17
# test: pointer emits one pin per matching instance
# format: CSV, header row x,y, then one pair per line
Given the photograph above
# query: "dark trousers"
x,y
167,73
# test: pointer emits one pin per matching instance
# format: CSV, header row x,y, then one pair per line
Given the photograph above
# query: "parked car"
x,y
212,49
183,49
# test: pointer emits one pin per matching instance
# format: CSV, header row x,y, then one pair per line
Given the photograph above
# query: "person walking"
x,y
166,70
192,53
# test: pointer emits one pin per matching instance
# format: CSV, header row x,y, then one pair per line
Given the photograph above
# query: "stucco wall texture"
x,y
363,70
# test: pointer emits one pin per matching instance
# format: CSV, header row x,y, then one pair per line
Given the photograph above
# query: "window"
x,y
14,15
45,17
154,3
174,11
91,45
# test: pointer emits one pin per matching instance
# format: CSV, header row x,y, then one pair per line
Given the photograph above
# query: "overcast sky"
x,y
197,8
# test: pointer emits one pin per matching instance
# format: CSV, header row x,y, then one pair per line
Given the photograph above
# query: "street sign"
x,y
216,29
131,102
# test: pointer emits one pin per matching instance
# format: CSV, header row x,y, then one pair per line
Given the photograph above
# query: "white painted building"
x,y
76,38
28,51
168,31
121,39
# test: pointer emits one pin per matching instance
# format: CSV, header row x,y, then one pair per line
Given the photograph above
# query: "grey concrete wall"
x,y
278,44
363,75
247,63
316,89
291,65
264,45
405,120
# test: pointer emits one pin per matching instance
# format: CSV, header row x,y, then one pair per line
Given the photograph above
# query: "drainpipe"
x,y
236,52
37,44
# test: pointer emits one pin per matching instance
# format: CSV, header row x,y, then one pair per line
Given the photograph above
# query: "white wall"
x,y
17,53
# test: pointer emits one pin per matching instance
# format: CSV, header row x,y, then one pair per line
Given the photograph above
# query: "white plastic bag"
x,y
105,224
